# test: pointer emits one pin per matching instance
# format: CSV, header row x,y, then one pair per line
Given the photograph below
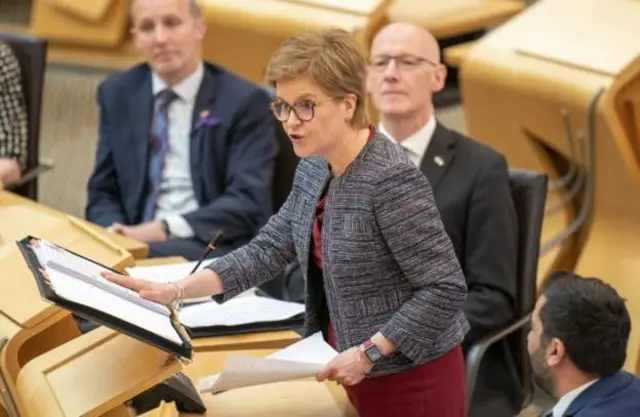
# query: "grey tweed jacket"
x,y
388,266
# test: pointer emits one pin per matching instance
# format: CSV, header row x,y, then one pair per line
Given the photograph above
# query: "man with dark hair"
x,y
578,341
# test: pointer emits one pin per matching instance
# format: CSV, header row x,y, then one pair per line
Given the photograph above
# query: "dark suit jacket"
x,y
231,158
617,396
388,265
471,187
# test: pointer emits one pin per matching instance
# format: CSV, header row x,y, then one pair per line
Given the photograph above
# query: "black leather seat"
x,y
285,169
31,53
529,191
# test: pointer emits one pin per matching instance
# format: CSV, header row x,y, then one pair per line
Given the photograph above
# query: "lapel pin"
x,y
438,160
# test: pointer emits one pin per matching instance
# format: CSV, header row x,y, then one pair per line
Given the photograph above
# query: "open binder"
x,y
72,282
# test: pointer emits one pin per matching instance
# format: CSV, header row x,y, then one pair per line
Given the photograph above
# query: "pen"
x,y
210,248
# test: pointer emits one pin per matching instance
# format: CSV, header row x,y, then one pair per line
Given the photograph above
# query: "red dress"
x,y
433,389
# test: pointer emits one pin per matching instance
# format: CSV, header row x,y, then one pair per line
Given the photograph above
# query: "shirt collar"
x,y
563,404
418,142
187,89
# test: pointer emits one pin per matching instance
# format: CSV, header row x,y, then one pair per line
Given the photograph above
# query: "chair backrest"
x,y
529,192
285,169
285,164
31,53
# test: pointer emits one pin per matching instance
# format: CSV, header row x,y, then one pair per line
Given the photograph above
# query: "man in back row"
x,y
578,345
186,149
471,188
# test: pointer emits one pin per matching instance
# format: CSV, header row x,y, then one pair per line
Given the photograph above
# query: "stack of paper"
x,y
300,360
78,280
246,308
240,310
168,273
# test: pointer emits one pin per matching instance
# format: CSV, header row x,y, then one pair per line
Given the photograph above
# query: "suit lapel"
x,y
202,132
205,97
440,152
141,105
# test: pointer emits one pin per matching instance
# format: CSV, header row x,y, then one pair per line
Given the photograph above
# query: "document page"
x,y
97,298
243,309
300,360
51,257
169,273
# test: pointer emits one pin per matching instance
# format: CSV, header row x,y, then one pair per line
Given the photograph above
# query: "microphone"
x,y
217,237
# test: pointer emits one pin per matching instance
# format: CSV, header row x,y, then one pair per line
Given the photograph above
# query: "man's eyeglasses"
x,y
304,109
405,62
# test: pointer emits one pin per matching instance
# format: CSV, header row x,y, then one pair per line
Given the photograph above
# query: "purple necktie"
x,y
158,149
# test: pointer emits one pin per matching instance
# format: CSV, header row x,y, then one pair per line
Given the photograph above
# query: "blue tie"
x,y
158,149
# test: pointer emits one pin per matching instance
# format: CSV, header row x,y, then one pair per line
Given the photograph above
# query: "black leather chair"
x,y
529,191
285,170
31,53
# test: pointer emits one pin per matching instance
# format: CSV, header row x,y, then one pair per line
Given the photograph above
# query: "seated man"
x,y
186,149
578,345
471,187
13,118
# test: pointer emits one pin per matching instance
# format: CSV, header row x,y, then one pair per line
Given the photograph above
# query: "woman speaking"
x,y
383,281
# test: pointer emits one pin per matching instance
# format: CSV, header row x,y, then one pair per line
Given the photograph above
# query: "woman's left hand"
x,y
348,368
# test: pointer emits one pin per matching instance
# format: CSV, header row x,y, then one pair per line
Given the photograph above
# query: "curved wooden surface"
x,y
32,325
296,398
96,23
242,35
454,17
92,375
516,84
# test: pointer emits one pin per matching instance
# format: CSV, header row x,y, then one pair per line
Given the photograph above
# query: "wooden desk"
x,y
40,215
454,17
518,82
92,375
295,398
242,35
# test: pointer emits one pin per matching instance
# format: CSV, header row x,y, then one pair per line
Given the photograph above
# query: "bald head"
x,y
404,73
410,37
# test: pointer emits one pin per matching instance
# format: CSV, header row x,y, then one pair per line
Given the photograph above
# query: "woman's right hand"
x,y
153,291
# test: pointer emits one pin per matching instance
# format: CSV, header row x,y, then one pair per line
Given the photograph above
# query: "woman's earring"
x,y
347,119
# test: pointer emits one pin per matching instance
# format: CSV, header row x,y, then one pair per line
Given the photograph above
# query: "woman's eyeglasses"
x,y
304,109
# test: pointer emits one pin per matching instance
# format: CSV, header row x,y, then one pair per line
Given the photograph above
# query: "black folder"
x,y
181,350
293,323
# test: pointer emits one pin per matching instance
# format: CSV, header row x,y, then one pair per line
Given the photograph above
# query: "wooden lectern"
x,y
557,89
35,213
29,327
92,375
294,398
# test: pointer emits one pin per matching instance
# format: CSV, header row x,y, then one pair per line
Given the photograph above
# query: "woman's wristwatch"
x,y
371,351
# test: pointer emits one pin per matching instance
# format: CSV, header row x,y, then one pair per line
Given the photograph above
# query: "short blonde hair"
x,y
333,61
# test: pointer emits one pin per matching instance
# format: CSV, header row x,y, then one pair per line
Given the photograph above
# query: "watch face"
x,y
373,353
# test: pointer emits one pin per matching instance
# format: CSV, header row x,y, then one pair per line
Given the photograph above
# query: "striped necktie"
x,y
158,150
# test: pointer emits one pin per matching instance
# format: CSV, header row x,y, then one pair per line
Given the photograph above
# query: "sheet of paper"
x,y
172,273
84,269
246,309
91,296
300,360
168,273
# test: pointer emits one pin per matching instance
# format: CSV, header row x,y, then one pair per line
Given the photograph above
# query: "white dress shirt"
x,y
563,404
415,145
177,196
